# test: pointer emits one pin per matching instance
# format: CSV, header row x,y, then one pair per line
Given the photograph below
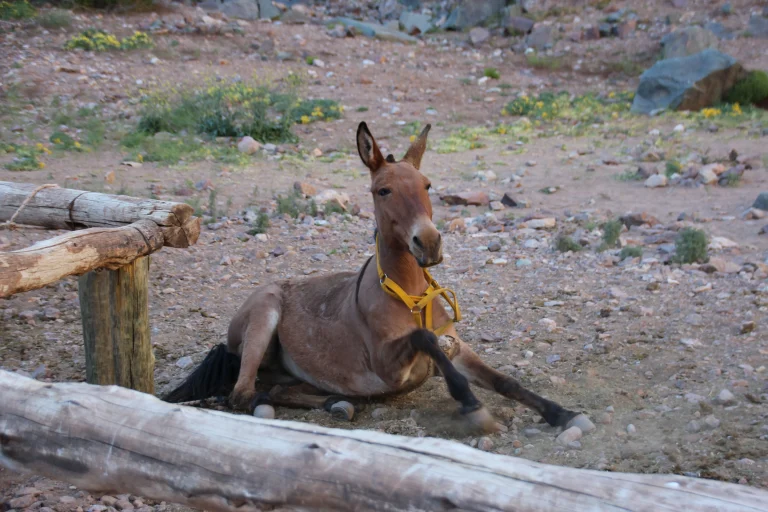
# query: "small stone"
x,y
548,324
725,398
568,436
605,418
747,327
707,175
511,202
523,262
183,362
656,181
109,500
478,36
22,502
711,423
551,359
545,223
51,313
485,444
304,188
494,247
531,432
693,398
583,422
317,152
379,412
631,429
123,505
693,427
496,206
466,199
574,445
248,145
694,319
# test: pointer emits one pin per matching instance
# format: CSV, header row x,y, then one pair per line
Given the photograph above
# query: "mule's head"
x,y
401,198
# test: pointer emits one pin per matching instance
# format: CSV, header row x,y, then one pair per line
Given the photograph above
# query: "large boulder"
x,y
687,41
470,13
415,23
267,10
240,9
375,30
687,83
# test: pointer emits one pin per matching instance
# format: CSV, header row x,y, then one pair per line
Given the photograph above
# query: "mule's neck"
x,y
400,266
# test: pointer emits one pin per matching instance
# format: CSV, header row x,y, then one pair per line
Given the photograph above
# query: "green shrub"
x,y
567,244
492,73
672,167
15,11
611,232
691,246
96,40
26,158
233,110
116,5
586,108
55,19
261,225
630,251
753,89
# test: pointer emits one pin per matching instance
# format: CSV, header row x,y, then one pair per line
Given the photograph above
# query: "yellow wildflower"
x,y
736,109
41,165
77,144
304,119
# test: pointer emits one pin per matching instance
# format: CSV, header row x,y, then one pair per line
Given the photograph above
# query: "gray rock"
x,y
656,181
184,362
693,426
719,30
51,313
726,398
687,41
470,13
478,36
531,432
494,247
415,23
375,30
583,422
523,262
761,203
240,9
518,25
711,423
540,38
686,83
758,26
267,10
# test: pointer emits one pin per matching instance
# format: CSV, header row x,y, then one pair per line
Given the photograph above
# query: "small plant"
x,y
310,60
630,251
565,243
289,205
611,232
544,62
362,109
691,246
55,19
15,11
492,73
753,89
731,180
629,175
331,207
95,40
26,158
672,167
260,225
212,204
195,203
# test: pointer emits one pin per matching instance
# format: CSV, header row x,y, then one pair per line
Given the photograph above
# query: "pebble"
x,y
693,426
679,128
248,145
494,247
584,423
523,262
549,324
694,319
568,436
183,362
711,423
545,223
109,500
574,445
693,398
123,505
485,444
379,412
631,429
725,398
51,313
605,418
656,181
531,432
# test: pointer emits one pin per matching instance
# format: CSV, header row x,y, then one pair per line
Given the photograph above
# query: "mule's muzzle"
x,y
428,250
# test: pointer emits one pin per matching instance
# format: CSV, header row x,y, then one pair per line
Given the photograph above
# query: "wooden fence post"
x,y
115,315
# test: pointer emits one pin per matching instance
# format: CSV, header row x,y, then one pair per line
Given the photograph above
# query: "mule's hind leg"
x,y
305,396
470,365
250,334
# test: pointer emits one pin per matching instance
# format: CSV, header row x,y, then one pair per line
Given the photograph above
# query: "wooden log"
x,y
62,208
115,315
120,441
76,253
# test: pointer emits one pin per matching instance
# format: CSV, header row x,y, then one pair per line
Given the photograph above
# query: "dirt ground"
x,y
643,347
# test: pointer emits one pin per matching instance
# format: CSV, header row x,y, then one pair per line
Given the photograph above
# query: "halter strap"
x,y
418,303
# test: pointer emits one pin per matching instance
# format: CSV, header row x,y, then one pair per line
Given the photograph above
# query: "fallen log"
x,y
122,441
76,253
62,208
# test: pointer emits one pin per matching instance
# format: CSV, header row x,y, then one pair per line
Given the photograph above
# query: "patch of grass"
x,y
672,167
294,205
165,150
629,175
260,225
611,232
331,207
310,60
361,109
63,141
233,110
26,158
16,11
195,203
630,251
463,139
95,40
411,129
627,66
731,180
212,204
565,243
492,73
544,61
55,19
753,89
587,108
691,246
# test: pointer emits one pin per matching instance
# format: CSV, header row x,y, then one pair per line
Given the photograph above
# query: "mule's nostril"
x,y
418,242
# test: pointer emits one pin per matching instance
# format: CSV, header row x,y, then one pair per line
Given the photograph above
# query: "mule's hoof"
x,y
483,421
343,411
264,411
583,422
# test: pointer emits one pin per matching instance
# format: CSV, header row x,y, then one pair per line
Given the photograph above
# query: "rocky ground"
x,y
668,360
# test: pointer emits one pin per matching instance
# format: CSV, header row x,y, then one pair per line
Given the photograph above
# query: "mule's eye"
x,y
384,192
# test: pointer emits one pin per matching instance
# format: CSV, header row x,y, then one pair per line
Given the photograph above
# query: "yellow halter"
x,y
423,302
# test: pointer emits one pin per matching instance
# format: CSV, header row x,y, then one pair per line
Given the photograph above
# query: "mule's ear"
x,y
416,151
369,151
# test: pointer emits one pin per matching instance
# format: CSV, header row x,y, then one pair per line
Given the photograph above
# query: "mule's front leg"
x,y
469,364
401,353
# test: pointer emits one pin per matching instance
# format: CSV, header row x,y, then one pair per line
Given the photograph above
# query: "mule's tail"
x,y
216,376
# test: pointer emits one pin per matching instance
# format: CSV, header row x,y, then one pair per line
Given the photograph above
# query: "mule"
x,y
363,334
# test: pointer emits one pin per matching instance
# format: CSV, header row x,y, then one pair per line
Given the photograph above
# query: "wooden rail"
x,y
117,440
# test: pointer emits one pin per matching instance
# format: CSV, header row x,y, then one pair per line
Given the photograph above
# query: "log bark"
x,y
115,315
76,253
121,441
62,208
